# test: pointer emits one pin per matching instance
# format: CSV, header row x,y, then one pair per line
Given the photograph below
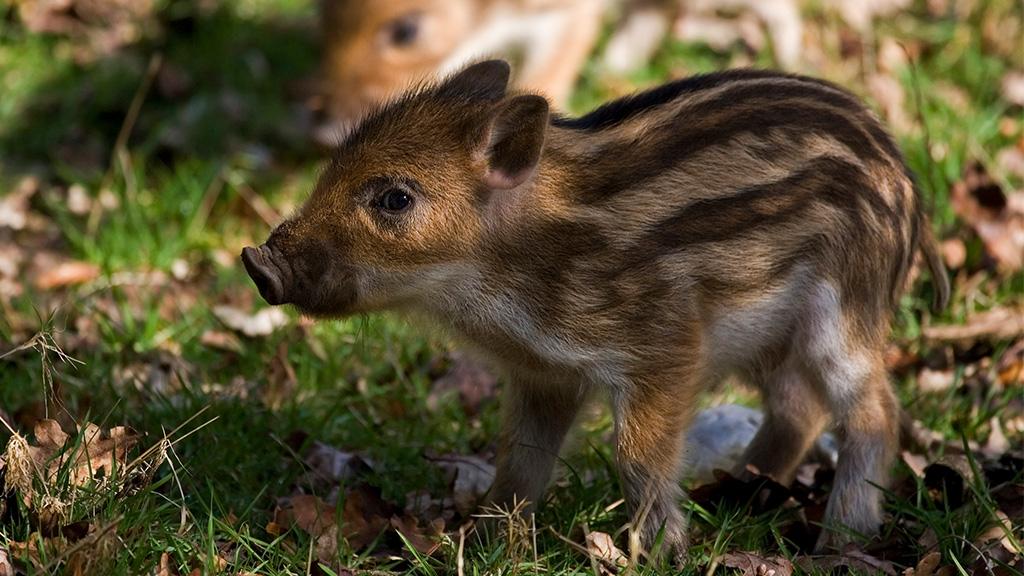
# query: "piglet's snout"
x,y
268,276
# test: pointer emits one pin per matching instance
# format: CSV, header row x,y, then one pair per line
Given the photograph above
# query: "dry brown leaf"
x,y
83,553
262,323
1011,160
281,379
103,454
425,540
751,564
364,516
861,14
997,218
602,546
67,273
916,462
1013,87
1009,497
99,27
310,514
888,93
1008,128
997,443
315,517
78,200
164,568
470,379
760,493
851,559
720,33
926,566
470,478
50,436
948,479
335,466
952,95
893,54
25,550
998,535
11,258
1000,323
6,568
424,504
954,253
930,381
1010,371
55,450
221,340
14,206
161,373
274,529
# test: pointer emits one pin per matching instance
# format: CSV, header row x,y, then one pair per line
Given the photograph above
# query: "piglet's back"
x,y
731,183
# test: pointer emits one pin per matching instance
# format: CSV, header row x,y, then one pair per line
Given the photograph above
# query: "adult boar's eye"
x,y
404,31
394,201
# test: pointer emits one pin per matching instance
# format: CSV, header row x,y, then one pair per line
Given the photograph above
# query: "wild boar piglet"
x,y
745,222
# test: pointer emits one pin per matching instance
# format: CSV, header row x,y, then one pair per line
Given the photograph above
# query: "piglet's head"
x,y
404,202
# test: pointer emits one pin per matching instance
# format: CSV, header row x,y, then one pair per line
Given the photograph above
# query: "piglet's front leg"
x,y
535,419
650,421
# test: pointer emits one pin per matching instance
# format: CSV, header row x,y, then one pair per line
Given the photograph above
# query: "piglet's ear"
x,y
515,141
487,80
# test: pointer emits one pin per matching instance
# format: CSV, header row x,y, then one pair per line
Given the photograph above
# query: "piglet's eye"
x,y
394,201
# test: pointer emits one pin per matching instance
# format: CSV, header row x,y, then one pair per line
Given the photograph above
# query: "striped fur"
x,y
746,222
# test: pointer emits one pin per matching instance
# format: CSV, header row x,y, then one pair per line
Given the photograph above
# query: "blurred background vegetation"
x,y
143,143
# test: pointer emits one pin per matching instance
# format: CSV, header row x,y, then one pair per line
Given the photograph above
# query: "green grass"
x,y
184,187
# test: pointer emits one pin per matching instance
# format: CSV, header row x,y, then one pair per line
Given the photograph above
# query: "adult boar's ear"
x,y
487,80
515,141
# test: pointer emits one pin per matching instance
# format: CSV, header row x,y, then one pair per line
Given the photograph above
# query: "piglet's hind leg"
x,y
844,360
794,416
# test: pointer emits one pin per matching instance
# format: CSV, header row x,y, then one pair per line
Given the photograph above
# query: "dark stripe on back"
x,y
655,159
841,100
622,109
827,179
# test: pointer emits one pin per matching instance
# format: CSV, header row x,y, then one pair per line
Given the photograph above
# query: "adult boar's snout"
x,y
265,273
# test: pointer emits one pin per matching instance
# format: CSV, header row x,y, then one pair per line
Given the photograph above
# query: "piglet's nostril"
x,y
264,274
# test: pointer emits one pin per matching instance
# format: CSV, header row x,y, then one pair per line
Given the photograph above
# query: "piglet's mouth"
x,y
269,276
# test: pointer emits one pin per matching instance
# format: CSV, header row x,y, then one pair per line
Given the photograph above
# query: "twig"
x,y
177,481
30,343
259,205
206,206
713,566
6,569
533,530
927,136
149,452
90,540
136,105
460,561
118,153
